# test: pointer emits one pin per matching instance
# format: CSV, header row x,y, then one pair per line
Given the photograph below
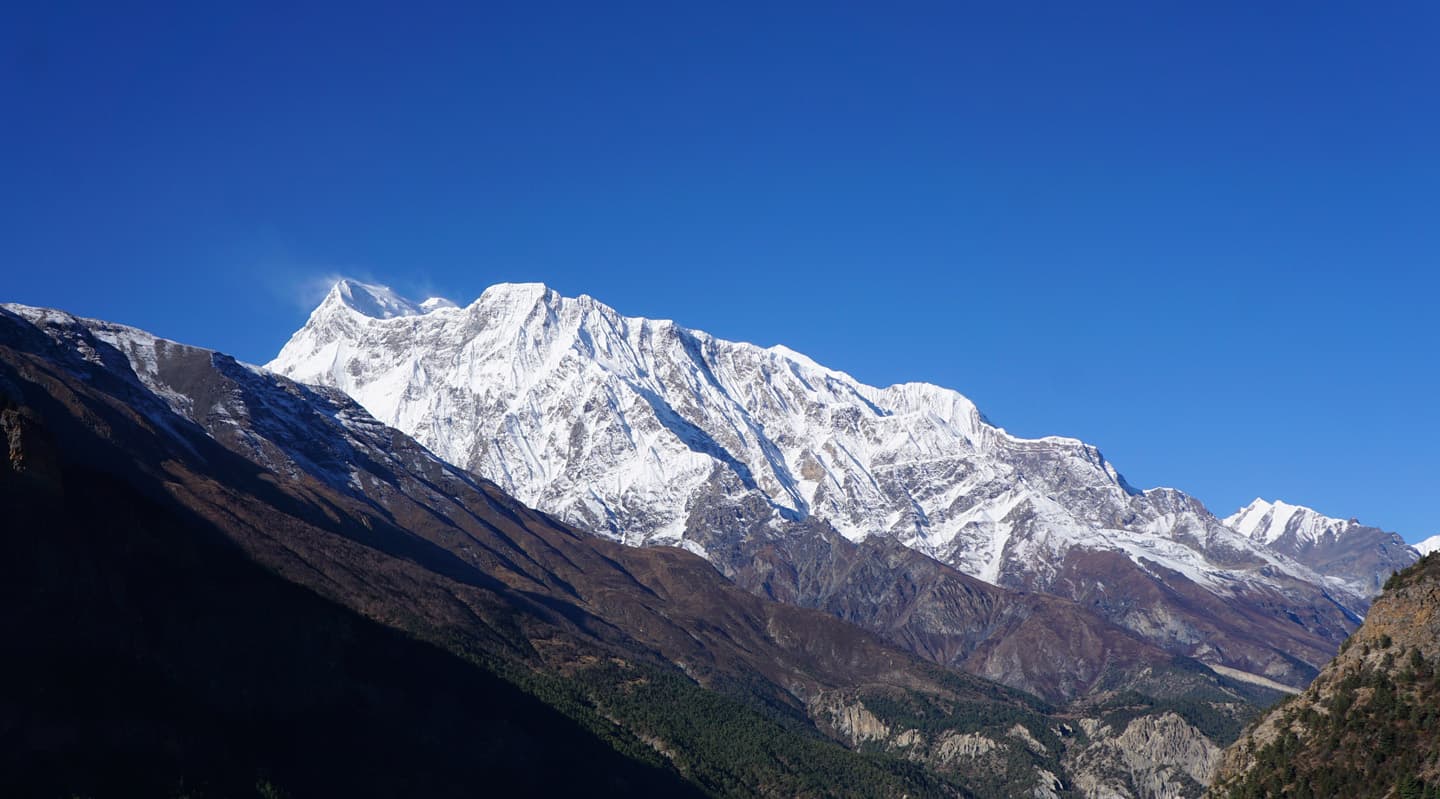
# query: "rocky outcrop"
x,y
957,750
1369,725
1149,757
852,722
997,751
27,449
1113,750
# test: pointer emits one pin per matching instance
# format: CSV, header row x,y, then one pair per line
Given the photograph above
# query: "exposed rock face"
x,y
1114,752
1150,757
26,450
853,721
1369,725
952,749
1044,645
1364,557
652,433
24,453
999,750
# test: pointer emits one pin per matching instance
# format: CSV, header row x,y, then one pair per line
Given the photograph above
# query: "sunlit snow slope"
x,y
631,426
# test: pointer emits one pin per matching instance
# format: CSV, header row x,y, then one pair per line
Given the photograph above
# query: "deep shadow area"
x,y
146,656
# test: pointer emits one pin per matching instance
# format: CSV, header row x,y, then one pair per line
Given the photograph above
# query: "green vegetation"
x,y
730,749
1427,568
1011,772
1372,737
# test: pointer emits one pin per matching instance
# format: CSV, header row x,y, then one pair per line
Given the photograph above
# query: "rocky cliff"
x,y
1369,725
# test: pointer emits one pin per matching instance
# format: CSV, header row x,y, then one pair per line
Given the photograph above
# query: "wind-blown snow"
x,y
380,302
633,427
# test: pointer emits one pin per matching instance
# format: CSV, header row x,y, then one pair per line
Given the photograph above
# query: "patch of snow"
x,y
1429,545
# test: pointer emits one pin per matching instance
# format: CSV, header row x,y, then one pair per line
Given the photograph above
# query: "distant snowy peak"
x,y
1431,544
1360,555
1270,521
376,301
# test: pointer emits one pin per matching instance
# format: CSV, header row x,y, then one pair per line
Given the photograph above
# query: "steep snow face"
x,y
637,428
1269,521
1431,544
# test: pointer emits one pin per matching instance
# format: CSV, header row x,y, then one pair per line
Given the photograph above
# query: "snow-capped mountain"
x,y
653,433
1345,549
190,465
1272,521
1429,545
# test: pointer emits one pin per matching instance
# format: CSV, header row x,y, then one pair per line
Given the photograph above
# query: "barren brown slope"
x,y
1048,646
1100,621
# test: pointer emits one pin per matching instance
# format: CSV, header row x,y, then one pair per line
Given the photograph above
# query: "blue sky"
x,y
1204,238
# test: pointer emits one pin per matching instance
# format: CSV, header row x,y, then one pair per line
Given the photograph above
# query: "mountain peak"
x,y
651,433
1363,554
1267,521
378,302
517,293
1431,544
369,299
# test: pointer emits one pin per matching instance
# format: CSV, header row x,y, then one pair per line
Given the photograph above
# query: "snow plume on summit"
x,y
377,302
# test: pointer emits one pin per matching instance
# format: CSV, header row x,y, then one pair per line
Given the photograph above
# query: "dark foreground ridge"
x,y
158,661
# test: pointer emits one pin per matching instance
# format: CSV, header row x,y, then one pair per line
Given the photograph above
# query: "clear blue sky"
x,y
1202,236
